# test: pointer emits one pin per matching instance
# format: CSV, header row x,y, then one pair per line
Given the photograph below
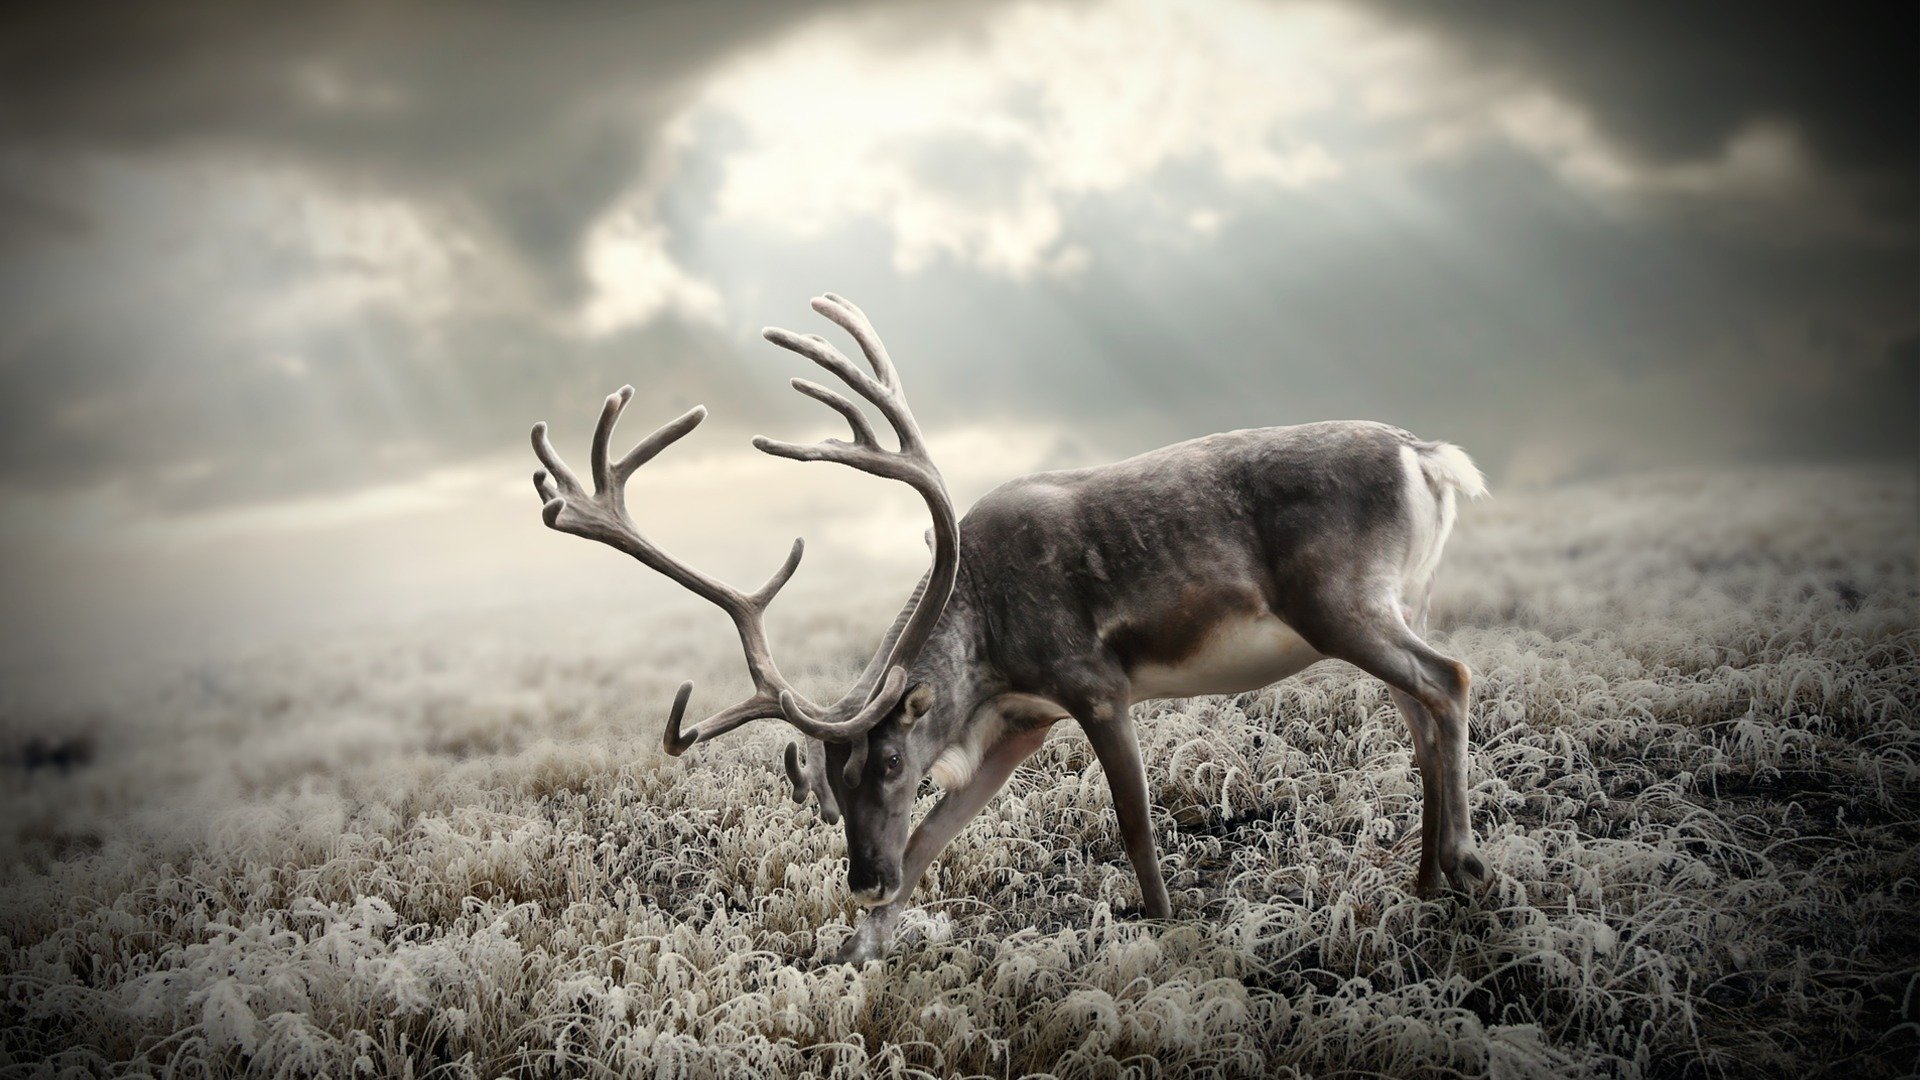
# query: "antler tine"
x,y
649,448
868,459
556,480
885,398
810,776
602,516
854,321
764,595
671,739
862,431
677,742
788,706
603,433
872,708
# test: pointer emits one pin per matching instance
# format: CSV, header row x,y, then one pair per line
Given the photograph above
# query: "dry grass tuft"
x,y
1696,775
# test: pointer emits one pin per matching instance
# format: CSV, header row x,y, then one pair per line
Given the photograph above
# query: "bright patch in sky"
x,y
971,149
634,279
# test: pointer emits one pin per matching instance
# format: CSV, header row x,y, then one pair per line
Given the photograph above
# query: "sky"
x,y
283,286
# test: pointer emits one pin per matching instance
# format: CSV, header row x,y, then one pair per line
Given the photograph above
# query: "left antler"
x,y
602,516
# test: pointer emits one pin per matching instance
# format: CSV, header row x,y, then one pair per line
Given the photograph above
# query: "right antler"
x,y
884,680
602,516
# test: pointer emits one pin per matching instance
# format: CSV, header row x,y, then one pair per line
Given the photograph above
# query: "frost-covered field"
x,y
457,850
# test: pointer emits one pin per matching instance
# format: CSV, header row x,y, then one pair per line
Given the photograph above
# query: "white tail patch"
x,y
1449,466
1435,473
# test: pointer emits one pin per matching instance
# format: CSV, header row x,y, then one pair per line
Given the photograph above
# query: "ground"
x,y
454,848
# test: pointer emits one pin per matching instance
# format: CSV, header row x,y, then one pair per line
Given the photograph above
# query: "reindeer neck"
x,y
955,662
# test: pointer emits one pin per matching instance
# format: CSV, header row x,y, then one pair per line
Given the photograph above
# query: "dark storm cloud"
x,y
536,116
1675,81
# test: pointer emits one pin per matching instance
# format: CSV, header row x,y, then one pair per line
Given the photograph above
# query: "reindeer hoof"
x,y
1472,866
1463,873
868,942
1467,872
1426,883
856,952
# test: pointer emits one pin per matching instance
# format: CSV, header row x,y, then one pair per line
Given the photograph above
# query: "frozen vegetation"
x,y
456,850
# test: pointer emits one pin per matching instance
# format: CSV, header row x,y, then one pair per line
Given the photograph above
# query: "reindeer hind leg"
x,y
1421,729
1432,692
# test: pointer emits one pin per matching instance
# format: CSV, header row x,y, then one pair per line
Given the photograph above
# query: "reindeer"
x,y
1212,566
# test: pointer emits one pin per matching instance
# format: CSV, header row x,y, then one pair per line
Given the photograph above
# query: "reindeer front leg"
x,y
934,833
1118,749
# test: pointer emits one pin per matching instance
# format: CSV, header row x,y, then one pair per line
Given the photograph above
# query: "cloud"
x,y
299,267
529,122
970,149
634,280
975,148
1678,82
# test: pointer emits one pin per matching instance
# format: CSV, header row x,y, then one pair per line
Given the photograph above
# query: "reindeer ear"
x,y
916,704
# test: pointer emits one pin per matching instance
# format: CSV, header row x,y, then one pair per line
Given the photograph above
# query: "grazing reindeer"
x,y
1212,566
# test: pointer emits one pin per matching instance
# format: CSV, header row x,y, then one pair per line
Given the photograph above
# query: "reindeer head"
x,y
874,781
869,761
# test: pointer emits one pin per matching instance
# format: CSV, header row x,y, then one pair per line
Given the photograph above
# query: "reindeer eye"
x,y
893,764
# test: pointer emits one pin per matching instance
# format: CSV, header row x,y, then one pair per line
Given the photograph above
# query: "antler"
x,y
884,680
602,516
